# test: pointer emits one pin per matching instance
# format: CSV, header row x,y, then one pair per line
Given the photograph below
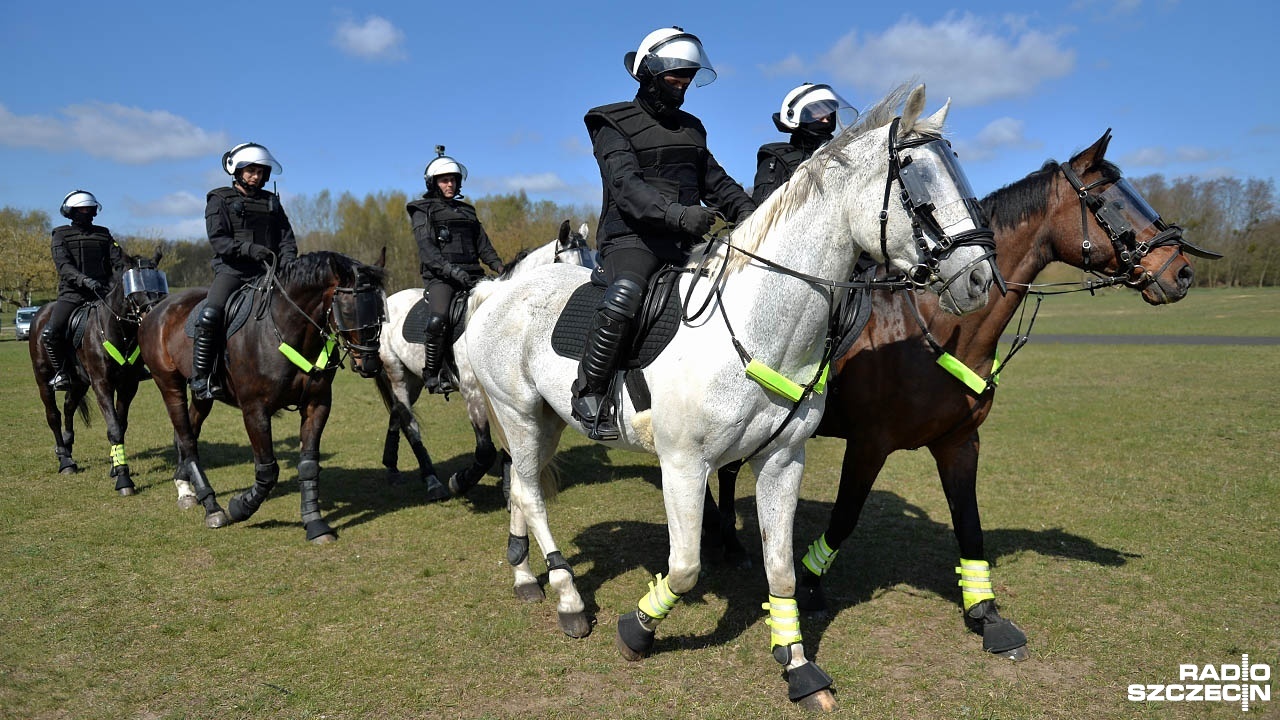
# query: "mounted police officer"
x,y
87,257
451,245
247,227
657,172
811,114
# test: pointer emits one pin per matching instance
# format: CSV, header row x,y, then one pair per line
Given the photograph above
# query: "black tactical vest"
x,y
89,248
787,158
251,216
455,227
672,161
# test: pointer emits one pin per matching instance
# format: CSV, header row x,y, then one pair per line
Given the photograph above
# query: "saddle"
x,y
239,305
414,329
656,325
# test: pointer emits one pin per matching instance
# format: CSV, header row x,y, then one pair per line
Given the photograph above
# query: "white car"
x,y
22,322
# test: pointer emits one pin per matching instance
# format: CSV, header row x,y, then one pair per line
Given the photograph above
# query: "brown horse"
x,y
106,360
890,391
302,321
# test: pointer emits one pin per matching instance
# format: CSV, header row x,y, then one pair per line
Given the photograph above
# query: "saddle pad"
x,y
570,334
414,329
79,321
239,306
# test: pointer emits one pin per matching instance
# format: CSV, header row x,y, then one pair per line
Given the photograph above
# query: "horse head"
x,y
141,285
572,247
349,298
1127,240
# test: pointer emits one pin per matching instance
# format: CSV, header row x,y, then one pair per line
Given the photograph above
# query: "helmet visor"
x,y
145,280
819,102
934,178
680,52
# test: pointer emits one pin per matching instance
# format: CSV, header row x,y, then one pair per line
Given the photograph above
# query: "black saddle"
x,y
78,321
239,305
414,329
656,323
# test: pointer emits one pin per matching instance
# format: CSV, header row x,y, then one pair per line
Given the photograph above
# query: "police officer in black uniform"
x,y
811,114
87,257
247,226
657,172
451,245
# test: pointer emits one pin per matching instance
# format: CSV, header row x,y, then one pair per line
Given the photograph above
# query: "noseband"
x,y
365,320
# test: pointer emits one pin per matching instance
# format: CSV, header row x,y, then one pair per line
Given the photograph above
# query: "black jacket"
x,y
81,252
235,221
776,162
449,235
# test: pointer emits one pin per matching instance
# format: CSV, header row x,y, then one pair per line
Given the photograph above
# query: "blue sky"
x,y
137,101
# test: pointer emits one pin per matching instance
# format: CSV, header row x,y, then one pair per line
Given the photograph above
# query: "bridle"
x,y
919,206
576,244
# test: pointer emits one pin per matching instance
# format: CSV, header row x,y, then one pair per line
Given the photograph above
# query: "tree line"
x,y
1239,218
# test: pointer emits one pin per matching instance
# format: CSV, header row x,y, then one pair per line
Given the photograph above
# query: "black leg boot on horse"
x,y
205,349
55,346
610,330
433,347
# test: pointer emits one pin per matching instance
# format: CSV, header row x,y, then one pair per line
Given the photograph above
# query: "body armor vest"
x,y
251,217
673,161
786,156
90,250
456,230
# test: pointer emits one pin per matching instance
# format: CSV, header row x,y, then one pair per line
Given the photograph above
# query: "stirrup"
x,y
597,420
59,381
204,388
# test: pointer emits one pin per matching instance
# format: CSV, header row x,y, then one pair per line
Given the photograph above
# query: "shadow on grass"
x,y
896,543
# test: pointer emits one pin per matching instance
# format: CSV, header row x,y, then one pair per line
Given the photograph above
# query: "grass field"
x,y
1131,499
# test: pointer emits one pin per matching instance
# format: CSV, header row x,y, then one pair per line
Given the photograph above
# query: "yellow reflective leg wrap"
x,y
783,621
820,556
975,581
117,455
659,600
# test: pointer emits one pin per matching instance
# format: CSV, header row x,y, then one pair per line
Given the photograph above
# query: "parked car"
x,y
22,322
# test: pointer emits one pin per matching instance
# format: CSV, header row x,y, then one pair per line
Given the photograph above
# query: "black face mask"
x,y
660,97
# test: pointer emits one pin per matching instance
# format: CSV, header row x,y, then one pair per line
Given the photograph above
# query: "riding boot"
x,y
53,347
204,354
433,349
591,405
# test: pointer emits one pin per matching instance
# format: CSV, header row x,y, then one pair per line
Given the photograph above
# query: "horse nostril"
x,y
1185,276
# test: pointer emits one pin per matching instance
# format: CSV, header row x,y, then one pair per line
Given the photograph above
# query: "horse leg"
x,y
48,396
400,398
720,519
958,468
314,416
266,471
533,439
777,490
71,402
391,443
124,399
186,426
858,471
115,435
481,462
527,587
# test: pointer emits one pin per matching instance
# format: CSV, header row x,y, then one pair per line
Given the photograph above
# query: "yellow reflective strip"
x,y
117,455
295,358
971,379
659,600
133,356
783,621
820,556
995,372
821,385
113,352
974,564
774,381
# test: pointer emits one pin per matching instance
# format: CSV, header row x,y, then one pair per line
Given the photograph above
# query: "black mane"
x,y
1027,197
319,268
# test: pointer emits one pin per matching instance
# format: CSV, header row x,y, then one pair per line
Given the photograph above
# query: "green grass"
x,y
1130,499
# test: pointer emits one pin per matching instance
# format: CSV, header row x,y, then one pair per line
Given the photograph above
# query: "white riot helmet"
x,y
443,165
246,154
667,49
811,102
78,199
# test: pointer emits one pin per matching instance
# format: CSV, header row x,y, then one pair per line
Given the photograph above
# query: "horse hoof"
x,y
530,593
821,701
575,624
71,469
127,491
216,519
435,491
395,477
186,502
324,539
459,485
1017,654
633,639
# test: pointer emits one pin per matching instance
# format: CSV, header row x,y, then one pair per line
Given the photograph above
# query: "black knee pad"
x,y
623,298
436,325
210,318
50,333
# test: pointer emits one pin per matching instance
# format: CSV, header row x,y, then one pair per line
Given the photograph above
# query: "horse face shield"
x,y
360,312
144,287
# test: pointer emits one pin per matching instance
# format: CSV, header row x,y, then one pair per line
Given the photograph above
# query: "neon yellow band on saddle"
x,y
971,379
659,600
975,582
775,381
306,366
783,621
119,356
117,455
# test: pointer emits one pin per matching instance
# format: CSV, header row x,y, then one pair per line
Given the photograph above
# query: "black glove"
x,y
92,286
462,277
697,220
259,253
500,268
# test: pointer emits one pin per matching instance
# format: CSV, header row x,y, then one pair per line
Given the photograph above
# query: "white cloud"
x,y
1001,133
1160,157
574,145
177,203
374,39
790,65
536,183
960,55
126,134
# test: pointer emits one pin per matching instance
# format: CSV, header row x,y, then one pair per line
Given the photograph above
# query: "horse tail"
x,y
83,408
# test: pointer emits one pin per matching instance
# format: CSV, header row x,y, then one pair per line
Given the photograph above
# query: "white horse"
x,y
804,240
400,382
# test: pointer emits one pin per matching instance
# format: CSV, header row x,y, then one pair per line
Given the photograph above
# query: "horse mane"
x,y
521,255
807,178
1020,200
319,267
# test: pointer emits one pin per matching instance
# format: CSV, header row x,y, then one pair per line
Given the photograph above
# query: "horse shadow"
x,y
872,562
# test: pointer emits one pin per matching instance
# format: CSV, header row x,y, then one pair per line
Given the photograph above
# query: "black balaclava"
x,y
660,98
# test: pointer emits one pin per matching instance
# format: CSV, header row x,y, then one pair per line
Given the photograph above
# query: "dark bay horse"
x,y
302,321
891,392
400,382
106,360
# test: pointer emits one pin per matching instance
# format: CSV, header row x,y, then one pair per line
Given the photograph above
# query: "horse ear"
x,y
156,257
938,119
583,230
911,112
1093,154
382,258
564,232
